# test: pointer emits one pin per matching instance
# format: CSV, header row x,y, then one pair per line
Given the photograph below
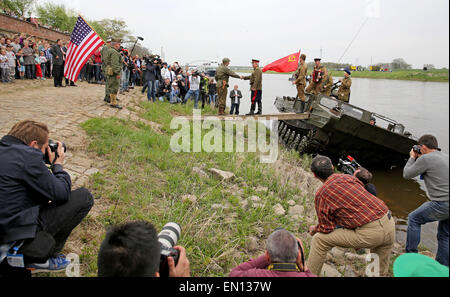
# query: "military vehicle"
x,y
337,129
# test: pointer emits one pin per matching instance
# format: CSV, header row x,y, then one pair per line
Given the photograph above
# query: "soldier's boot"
x,y
302,106
252,110
107,99
114,101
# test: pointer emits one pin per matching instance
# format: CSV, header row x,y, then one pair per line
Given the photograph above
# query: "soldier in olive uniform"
x,y
106,55
255,87
300,81
113,72
327,84
344,89
223,74
315,86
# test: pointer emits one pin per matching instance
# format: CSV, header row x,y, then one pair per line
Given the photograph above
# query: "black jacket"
x,y
150,74
55,50
25,185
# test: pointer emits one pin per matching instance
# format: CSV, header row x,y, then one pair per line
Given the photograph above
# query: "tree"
x,y
113,28
19,7
57,16
400,64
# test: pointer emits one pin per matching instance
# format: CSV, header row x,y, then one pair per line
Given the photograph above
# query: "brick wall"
x,y
11,25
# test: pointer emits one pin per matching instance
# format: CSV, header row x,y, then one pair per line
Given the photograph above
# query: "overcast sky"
x,y
415,30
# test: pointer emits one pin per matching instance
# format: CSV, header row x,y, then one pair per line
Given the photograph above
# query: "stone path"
x,y
63,110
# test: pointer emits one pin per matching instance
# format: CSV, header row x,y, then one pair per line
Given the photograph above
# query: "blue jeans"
x,y
429,212
174,98
151,91
212,99
125,79
189,95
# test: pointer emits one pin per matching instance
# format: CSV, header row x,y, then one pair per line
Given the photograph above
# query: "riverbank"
x,y
124,159
412,75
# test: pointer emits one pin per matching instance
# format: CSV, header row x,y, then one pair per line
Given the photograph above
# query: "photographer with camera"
x,y
135,250
38,211
428,162
150,78
194,88
165,90
364,221
284,257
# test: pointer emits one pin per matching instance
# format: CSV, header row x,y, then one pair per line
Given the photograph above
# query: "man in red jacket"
x,y
284,257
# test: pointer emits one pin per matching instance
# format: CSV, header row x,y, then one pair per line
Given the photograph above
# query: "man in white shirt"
x,y
194,88
170,74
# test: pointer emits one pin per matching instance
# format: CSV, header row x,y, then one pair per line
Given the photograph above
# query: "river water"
x,y
423,107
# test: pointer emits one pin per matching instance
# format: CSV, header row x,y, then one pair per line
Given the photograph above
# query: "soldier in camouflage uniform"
x,y
300,81
315,86
344,89
113,70
106,55
223,74
327,84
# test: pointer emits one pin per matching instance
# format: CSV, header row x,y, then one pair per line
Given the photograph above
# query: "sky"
x,y
193,30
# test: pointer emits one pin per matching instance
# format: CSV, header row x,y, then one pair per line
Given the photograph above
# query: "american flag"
x,y
83,43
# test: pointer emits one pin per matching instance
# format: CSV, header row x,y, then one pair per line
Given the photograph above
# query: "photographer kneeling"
x,y
284,257
38,211
428,162
364,221
135,250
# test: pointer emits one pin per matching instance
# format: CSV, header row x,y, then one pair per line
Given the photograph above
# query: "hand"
x,y
312,230
241,77
413,154
253,89
182,269
118,77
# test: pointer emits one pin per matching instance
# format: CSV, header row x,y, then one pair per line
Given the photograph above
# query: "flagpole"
x,y
92,28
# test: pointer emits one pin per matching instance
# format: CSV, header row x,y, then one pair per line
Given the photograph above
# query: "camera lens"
x,y
169,235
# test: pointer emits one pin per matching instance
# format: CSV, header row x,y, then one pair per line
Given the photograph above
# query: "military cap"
x,y
117,40
109,40
226,60
255,60
347,70
317,59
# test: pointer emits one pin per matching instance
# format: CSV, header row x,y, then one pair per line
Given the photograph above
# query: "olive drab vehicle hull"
x,y
338,129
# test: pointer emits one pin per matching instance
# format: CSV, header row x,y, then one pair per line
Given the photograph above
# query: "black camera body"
x,y
348,166
54,149
417,149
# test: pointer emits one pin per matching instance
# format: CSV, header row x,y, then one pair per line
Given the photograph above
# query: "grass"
x,y
146,181
413,75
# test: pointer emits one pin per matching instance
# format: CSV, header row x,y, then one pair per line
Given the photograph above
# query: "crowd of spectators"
x,y
29,19
27,57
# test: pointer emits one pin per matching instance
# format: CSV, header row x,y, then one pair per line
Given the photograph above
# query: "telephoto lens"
x,y
168,238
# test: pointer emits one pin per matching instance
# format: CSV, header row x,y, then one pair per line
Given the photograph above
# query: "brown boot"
x,y
114,101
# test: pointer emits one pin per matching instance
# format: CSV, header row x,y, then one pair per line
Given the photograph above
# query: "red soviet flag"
x,y
286,64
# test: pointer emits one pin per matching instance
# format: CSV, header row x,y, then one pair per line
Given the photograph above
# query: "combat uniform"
x,y
223,74
315,86
106,56
300,81
327,85
344,90
256,89
116,62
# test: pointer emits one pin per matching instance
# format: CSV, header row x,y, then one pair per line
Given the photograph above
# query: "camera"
x,y
417,149
54,149
168,238
153,60
348,166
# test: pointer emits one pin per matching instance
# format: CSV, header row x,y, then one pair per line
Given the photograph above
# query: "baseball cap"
x,y
417,265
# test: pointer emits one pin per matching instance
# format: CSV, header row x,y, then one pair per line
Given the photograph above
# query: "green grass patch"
x,y
146,180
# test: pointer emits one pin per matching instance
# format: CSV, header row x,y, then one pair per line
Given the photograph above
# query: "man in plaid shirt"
x,y
349,217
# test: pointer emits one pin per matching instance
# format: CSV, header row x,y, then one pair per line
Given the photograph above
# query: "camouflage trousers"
x,y
222,98
113,85
106,87
314,88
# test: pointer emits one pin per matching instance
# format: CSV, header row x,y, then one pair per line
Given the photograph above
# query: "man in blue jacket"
x,y
34,199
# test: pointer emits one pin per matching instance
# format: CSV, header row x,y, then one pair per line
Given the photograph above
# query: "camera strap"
x,y
284,267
